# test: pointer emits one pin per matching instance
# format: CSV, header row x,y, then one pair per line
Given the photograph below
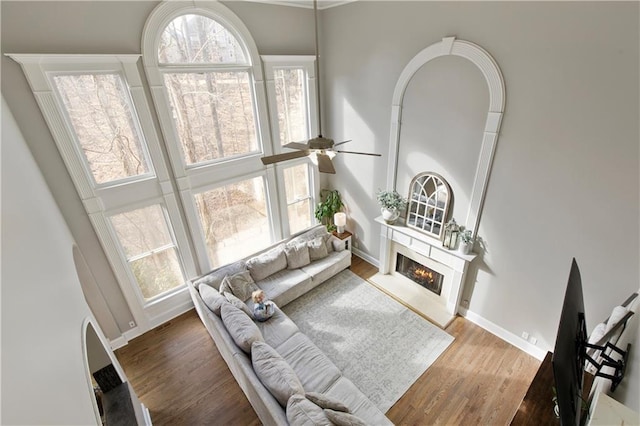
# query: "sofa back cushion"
x,y
215,277
212,298
275,373
302,412
317,249
242,329
240,284
267,263
297,255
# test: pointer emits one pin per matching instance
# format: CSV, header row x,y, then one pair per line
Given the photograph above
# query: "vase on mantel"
x,y
465,247
389,215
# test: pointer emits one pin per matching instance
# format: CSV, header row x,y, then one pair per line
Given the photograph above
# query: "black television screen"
x,y
568,355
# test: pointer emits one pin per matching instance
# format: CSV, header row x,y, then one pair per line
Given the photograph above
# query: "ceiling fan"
x,y
321,150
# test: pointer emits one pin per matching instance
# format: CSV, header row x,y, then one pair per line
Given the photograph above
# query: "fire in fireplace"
x,y
419,273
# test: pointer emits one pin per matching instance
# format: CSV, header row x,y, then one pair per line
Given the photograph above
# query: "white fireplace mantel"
x,y
451,263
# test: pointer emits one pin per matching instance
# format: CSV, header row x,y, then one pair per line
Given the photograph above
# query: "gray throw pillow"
x,y
328,238
225,286
325,401
238,304
317,249
242,329
212,298
241,285
274,373
343,419
303,412
268,263
297,256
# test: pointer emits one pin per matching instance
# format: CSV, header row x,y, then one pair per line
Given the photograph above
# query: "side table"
x,y
346,237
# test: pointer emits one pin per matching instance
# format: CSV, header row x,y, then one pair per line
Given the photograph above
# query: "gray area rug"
x,y
379,344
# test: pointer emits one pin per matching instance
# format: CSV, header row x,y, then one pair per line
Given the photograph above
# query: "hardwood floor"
x,y
179,375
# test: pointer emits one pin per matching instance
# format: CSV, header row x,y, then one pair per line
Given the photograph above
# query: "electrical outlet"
x,y
533,340
525,335
132,324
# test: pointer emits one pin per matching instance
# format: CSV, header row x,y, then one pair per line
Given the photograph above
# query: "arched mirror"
x,y
429,202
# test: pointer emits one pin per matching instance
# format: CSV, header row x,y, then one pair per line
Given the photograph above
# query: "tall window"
x,y
297,182
209,87
100,112
292,103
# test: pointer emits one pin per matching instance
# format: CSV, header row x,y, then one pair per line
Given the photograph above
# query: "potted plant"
x,y
391,204
466,241
331,204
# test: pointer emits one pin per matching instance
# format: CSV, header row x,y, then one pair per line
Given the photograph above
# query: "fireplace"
x,y
419,273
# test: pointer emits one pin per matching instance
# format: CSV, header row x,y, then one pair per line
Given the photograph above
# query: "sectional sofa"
x,y
285,376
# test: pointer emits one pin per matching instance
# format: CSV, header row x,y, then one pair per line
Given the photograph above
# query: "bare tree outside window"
x,y
105,127
235,221
296,180
151,252
291,101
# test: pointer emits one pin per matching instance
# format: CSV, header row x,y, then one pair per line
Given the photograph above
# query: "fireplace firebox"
x,y
419,273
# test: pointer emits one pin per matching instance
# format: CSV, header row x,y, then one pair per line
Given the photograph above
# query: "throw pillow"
x,y
242,329
225,285
214,278
303,412
297,256
274,373
242,285
238,304
267,263
343,419
212,298
328,238
317,249
325,401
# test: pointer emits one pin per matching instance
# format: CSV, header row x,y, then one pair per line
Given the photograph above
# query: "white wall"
x,y
44,377
565,180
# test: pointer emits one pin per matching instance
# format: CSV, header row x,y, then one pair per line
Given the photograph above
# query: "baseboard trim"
x,y
366,257
503,334
118,343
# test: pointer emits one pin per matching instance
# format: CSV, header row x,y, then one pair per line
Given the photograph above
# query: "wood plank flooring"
x,y
179,375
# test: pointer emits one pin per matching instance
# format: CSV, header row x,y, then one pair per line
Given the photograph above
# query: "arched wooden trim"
x,y
489,68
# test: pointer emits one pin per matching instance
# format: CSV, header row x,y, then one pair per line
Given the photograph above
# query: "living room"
x,y
569,136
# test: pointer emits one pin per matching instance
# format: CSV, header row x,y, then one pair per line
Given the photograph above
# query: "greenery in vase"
x,y
331,204
391,200
466,236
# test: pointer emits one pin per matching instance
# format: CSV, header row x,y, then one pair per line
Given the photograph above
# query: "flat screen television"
x,y
569,353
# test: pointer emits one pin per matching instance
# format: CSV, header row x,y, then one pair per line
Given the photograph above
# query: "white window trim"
x,y
161,16
100,201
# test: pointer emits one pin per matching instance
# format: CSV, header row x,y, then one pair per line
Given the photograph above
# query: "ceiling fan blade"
x,y
360,153
296,145
270,159
340,143
325,165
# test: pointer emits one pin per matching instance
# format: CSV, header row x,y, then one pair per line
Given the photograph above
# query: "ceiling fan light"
x,y
331,153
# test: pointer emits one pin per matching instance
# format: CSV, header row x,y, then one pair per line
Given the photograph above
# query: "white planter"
x,y
389,216
465,248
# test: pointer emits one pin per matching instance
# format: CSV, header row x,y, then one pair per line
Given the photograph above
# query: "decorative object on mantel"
x,y
466,242
429,200
391,204
330,205
451,232
340,220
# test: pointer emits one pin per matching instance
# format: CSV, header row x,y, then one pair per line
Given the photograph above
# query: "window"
x,y
207,77
297,182
292,104
145,237
106,130
234,220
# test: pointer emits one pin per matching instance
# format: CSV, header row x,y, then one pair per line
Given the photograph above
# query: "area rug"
x,y
377,343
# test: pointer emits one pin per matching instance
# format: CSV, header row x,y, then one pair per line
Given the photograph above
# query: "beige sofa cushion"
x,y
241,285
241,328
325,401
344,419
267,263
274,373
238,304
297,255
317,249
302,412
212,298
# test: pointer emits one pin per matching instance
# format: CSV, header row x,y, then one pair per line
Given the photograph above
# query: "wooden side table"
x,y
346,237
